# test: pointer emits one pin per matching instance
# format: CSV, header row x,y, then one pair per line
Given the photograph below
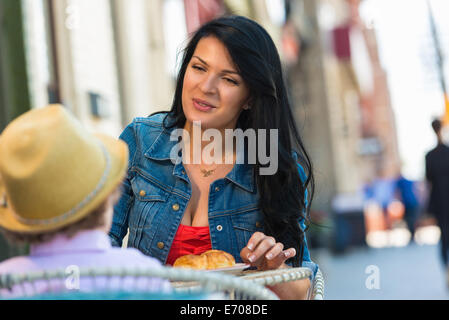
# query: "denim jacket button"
x,y
160,245
217,189
219,227
175,207
258,224
142,193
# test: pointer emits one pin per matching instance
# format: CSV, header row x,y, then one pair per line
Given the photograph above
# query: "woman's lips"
x,y
202,105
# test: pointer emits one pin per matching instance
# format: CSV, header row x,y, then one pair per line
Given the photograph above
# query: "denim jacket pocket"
x,y
146,190
149,199
245,224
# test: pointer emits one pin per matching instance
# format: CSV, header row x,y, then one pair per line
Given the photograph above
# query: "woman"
x,y
230,78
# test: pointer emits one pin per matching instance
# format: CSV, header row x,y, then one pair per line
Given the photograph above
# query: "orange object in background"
x,y
446,108
374,218
396,211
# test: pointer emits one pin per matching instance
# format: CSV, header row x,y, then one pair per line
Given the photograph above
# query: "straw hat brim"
x,y
118,152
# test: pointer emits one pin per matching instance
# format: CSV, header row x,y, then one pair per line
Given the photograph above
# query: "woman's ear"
x,y
248,104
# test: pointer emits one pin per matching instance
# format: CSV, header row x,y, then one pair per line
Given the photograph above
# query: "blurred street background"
x,y
366,79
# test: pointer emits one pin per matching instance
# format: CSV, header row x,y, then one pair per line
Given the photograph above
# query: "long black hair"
x,y
282,195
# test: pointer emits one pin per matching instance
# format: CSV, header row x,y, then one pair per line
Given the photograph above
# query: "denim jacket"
x,y
157,190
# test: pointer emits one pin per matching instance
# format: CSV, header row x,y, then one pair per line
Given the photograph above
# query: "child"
x,y
58,186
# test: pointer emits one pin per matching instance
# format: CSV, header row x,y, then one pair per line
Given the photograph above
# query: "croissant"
x,y
191,261
211,259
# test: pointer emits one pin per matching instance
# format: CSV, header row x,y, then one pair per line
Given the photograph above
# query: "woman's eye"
x,y
198,68
231,81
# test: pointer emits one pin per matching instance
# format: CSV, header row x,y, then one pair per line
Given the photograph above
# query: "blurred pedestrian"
x,y
406,192
437,176
380,191
58,187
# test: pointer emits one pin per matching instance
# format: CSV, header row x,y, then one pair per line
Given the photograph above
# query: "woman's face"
x,y
213,92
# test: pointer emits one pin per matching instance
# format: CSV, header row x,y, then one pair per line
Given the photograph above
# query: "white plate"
x,y
236,269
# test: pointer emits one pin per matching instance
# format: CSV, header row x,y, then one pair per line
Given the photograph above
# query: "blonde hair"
x,y
97,218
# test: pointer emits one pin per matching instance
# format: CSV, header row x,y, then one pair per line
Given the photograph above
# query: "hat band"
x,y
80,205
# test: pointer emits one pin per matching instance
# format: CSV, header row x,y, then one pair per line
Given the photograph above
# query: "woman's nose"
x,y
208,85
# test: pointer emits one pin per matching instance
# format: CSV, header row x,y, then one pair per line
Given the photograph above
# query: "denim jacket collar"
x,y
241,174
161,147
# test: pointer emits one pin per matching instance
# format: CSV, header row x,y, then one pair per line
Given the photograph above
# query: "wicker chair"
x,y
318,286
187,284
199,285
273,277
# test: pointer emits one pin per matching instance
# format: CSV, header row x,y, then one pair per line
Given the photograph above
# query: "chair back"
x,y
131,284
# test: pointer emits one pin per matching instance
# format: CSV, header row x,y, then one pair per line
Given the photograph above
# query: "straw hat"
x,y
53,172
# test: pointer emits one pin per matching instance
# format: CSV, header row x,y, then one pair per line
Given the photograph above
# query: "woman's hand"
x,y
265,253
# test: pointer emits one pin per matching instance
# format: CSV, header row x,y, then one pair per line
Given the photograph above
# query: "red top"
x,y
189,240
